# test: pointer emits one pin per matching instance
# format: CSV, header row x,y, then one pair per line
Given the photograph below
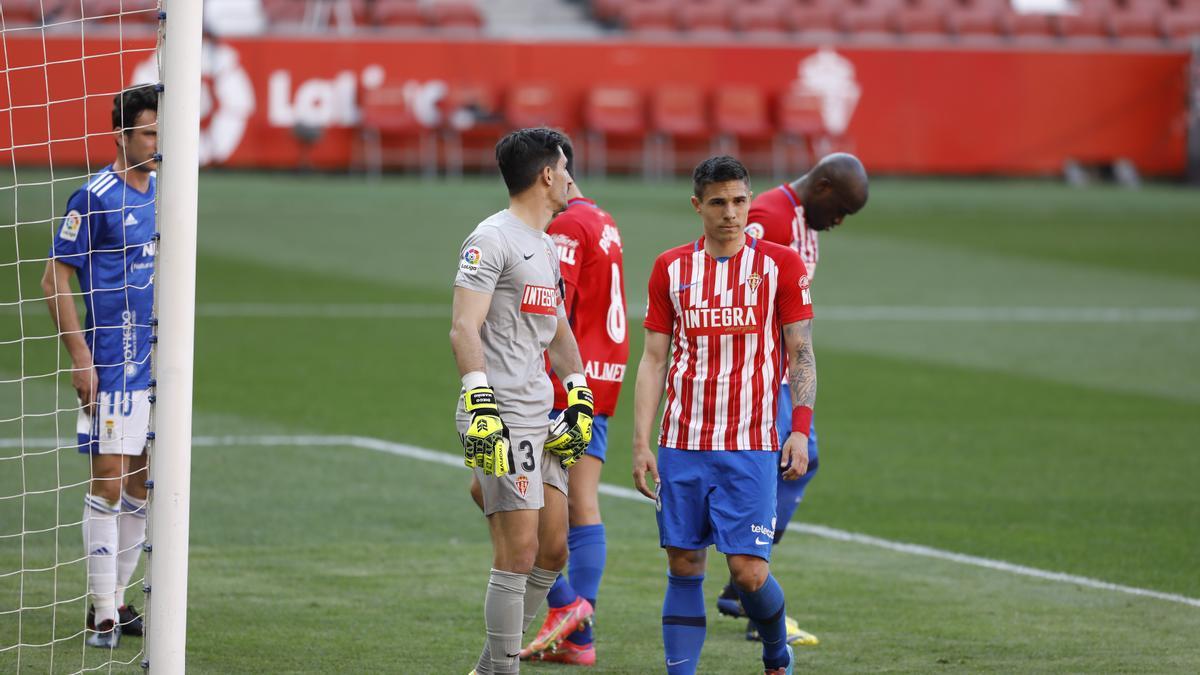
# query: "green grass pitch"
x,y
1008,370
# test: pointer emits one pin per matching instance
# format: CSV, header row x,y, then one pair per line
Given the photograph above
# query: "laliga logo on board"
x,y
226,99
830,76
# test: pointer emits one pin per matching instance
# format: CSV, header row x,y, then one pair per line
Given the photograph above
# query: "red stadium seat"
x,y
613,114
534,105
678,110
1028,26
677,113
741,112
650,18
868,22
1135,25
1181,26
284,11
1084,25
608,11
454,15
125,12
398,14
472,122
919,21
761,19
743,124
705,18
800,126
1154,7
808,21
883,6
386,116
971,24
27,13
615,110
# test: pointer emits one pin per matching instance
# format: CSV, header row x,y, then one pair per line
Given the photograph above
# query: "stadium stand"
x,y
390,130
614,116
678,116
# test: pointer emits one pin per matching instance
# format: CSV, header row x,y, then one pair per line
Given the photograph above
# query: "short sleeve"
x,y
480,261
794,299
660,312
770,220
73,238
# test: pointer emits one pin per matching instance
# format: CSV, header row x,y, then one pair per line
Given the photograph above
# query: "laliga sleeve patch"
x,y
70,226
470,260
755,230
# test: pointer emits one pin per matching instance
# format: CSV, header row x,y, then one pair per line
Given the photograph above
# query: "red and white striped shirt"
x,y
778,216
725,319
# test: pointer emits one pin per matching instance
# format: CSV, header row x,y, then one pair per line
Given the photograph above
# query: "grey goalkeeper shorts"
x,y
530,468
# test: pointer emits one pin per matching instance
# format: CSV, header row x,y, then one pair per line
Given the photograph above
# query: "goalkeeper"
x,y
507,312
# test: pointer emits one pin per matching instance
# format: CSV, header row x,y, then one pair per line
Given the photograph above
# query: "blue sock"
x,y
561,593
683,623
587,546
765,608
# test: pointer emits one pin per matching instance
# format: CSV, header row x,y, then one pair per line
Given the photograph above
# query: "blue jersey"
x,y
107,234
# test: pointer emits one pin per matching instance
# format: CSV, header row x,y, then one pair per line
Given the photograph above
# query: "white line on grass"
x,y
831,313
426,455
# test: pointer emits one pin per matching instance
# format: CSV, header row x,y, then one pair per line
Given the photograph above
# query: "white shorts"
x,y
121,424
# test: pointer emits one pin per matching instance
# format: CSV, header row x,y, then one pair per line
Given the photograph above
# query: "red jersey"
x,y
589,255
778,216
726,322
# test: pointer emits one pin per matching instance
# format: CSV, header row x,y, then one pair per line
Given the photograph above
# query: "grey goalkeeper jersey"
x,y
519,267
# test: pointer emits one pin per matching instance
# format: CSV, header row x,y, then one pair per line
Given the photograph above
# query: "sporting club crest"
x,y
522,484
753,281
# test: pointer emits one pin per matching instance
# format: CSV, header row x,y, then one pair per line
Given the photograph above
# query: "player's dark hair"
x,y
130,103
569,151
523,154
719,169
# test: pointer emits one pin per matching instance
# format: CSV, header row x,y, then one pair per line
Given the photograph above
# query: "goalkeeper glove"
x,y
485,445
571,433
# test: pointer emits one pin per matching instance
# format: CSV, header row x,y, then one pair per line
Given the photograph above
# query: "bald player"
x,y
793,214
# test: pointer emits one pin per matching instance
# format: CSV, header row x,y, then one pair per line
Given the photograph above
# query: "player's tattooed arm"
x,y
802,362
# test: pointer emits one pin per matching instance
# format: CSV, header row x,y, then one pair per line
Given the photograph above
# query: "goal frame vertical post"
x,y
175,301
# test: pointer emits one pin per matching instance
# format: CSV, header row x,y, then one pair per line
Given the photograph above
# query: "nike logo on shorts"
x,y
760,542
529,256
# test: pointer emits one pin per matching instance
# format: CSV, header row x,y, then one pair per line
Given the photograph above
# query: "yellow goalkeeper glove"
x,y
571,432
485,445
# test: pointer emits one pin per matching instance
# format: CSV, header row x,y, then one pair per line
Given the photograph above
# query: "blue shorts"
x,y
598,448
726,498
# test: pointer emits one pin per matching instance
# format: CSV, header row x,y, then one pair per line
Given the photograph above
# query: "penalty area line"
x,y
833,534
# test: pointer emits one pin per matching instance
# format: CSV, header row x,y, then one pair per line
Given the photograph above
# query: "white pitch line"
x,y
427,455
896,313
901,313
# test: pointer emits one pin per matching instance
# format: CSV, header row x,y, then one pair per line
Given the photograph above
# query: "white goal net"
x,y
78,235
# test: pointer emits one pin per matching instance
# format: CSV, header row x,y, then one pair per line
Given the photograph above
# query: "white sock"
x,y
100,545
131,528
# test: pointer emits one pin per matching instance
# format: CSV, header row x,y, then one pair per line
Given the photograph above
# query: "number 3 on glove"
x,y
571,432
485,445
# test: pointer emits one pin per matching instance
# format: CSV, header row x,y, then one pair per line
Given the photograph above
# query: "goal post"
x,y
175,301
97,280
